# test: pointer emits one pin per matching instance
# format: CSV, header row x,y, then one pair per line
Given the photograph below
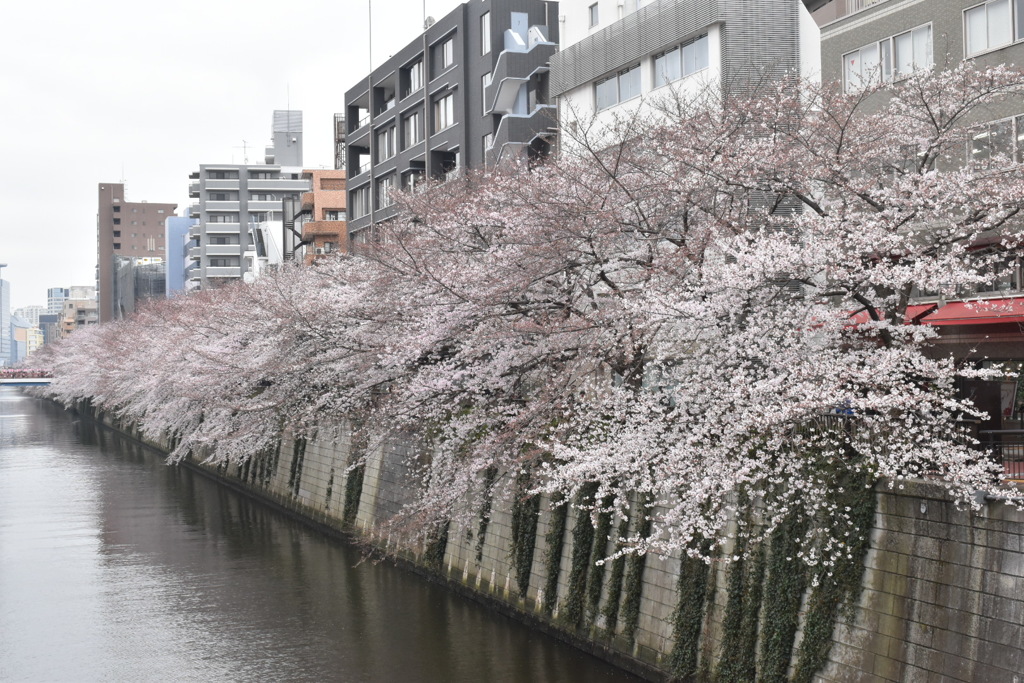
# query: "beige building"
x,y
129,229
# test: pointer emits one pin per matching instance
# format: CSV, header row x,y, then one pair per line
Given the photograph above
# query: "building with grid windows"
x,y
617,56
470,91
238,214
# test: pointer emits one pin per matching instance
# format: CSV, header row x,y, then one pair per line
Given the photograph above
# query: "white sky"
x,y
90,88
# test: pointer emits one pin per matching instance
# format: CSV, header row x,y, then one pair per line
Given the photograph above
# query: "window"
x,y
411,179
485,81
117,221
1003,139
687,59
485,33
592,11
993,24
361,202
223,218
386,143
117,233
444,112
223,196
117,209
224,262
384,187
334,215
412,129
264,197
622,86
117,245
262,175
222,175
412,78
488,141
891,58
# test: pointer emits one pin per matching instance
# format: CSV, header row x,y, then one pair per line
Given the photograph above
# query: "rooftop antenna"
x,y
245,151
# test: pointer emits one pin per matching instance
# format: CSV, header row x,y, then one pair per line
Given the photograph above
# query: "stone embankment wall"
x,y
941,595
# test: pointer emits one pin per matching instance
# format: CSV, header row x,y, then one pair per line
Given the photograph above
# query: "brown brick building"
x,y
129,229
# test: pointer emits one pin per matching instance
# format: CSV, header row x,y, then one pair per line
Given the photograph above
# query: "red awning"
x,y
912,316
984,312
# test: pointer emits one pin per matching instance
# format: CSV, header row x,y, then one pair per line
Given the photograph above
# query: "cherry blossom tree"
x,y
697,310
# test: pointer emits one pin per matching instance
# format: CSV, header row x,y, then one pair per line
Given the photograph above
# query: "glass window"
x,y
444,112
667,68
485,33
361,202
448,53
386,143
629,84
384,187
592,10
485,81
607,92
413,78
412,129
991,25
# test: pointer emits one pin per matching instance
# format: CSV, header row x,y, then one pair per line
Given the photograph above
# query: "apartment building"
x,y
318,226
617,56
239,209
124,230
470,91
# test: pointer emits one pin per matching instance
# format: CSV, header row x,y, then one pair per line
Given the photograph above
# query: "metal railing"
x,y
1007,447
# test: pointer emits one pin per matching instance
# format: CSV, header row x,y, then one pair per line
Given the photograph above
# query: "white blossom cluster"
x,y
668,314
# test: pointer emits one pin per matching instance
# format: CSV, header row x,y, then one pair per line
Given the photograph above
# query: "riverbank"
x,y
939,593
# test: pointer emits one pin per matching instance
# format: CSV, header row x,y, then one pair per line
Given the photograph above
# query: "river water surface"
x,y
116,567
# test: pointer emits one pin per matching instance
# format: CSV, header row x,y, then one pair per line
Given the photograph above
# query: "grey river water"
x,y
116,567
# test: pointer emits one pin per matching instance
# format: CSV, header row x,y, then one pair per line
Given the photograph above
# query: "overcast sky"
x,y
102,91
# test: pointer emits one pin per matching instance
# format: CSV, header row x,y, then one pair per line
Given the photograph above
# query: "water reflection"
x,y
114,566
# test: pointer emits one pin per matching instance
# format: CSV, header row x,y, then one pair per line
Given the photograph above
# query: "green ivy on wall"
x,y
599,551
840,586
582,546
490,475
553,557
525,515
614,599
688,617
783,592
635,575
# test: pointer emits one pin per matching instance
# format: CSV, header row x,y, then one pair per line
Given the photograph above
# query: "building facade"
x,y
319,220
55,299
470,91
80,309
179,244
128,230
5,321
239,208
618,56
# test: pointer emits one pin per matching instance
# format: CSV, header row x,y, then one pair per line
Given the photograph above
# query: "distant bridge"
x,y
25,377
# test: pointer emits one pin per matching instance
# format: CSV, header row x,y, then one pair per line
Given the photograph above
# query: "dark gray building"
x,y
470,91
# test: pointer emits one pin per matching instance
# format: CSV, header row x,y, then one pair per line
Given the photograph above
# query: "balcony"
x,y
222,249
263,205
278,184
223,228
194,210
224,271
193,189
513,69
231,184
195,253
222,206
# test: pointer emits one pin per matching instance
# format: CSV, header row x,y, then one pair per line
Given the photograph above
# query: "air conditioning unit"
x,y
318,251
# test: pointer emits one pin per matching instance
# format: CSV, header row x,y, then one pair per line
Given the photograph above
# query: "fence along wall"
x,y
942,591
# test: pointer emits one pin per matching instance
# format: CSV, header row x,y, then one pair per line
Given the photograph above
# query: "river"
x,y
117,567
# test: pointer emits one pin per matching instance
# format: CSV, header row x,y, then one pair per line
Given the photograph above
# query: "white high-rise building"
x,y
239,205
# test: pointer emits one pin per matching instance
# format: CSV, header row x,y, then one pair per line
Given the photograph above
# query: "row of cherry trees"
x,y
665,311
